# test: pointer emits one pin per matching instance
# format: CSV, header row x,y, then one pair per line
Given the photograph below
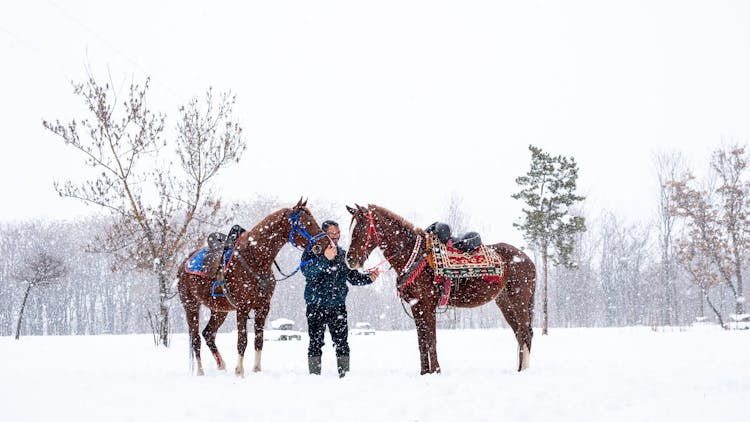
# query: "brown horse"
x,y
403,246
249,281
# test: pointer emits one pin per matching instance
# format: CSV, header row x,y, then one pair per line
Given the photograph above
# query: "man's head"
x,y
332,230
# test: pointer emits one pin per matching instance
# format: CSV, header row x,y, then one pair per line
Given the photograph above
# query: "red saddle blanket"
x,y
452,263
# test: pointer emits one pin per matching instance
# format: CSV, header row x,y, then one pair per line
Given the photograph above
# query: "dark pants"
x,y
318,317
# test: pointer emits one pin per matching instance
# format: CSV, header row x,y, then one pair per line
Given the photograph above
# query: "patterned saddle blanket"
x,y
452,263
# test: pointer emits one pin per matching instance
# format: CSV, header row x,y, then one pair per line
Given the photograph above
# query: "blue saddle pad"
x,y
195,263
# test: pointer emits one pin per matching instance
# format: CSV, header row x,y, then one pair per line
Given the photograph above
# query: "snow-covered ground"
x,y
608,374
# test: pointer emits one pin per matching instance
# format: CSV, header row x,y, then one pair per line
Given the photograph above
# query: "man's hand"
x,y
374,273
330,252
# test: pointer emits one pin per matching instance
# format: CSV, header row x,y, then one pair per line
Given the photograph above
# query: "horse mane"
x,y
267,221
393,216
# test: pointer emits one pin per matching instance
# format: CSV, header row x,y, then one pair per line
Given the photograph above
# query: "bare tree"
x,y
701,251
669,166
623,257
40,270
731,166
718,224
157,209
455,215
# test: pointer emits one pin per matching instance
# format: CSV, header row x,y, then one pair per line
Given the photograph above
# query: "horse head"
x,y
304,230
364,236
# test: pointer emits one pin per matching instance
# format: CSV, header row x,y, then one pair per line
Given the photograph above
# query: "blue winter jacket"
x,y
326,280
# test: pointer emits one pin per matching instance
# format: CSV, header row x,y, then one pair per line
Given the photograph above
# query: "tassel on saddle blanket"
x,y
450,263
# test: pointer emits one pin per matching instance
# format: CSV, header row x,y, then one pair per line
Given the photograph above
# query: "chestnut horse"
x,y
249,281
402,243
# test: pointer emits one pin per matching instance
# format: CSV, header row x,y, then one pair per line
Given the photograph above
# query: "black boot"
x,y
313,364
342,362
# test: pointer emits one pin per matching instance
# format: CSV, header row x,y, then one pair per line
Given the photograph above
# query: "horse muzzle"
x,y
353,264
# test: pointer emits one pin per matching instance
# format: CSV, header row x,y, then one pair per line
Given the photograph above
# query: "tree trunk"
x,y
163,322
713,308
20,313
545,315
739,300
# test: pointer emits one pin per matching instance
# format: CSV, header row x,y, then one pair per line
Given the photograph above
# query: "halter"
x,y
297,227
372,230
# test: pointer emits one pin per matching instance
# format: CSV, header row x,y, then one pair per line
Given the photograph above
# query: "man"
x,y
325,295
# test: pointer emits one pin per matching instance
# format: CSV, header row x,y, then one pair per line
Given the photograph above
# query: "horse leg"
x,y
259,323
424,363
517,311
209,334
192,314
431,323
242,315
425,322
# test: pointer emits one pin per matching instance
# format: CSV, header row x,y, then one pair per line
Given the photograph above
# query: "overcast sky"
x,y
400,103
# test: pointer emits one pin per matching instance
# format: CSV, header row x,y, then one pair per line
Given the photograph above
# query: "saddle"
x,y
458,258
461,256
453,258
218,246
467,242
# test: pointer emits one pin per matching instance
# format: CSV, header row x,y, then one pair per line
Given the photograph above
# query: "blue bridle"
x,y
297,227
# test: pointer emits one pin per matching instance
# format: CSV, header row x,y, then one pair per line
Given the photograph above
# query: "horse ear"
x,y
304,203
361,208
351,210
299,203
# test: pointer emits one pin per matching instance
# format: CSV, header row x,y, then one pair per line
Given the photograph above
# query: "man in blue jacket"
x,y
325,295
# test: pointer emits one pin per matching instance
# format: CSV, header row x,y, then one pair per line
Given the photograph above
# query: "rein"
x,y
371,229
296,227
411,265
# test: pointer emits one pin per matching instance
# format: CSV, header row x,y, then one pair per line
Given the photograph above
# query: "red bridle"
x,y
370,231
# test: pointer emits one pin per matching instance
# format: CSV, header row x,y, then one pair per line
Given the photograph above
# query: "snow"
x,y
606,374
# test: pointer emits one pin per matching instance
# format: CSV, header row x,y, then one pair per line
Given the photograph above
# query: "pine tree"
x,y
548,190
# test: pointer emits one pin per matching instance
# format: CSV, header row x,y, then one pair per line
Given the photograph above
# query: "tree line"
x,y
618,280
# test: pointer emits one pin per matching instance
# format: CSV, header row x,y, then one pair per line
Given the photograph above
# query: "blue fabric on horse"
x,y
195,264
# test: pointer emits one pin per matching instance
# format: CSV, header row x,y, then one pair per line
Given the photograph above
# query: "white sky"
x,y
592,374
399,103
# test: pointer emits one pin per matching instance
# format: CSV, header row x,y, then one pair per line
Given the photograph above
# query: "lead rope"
x,y
296,227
